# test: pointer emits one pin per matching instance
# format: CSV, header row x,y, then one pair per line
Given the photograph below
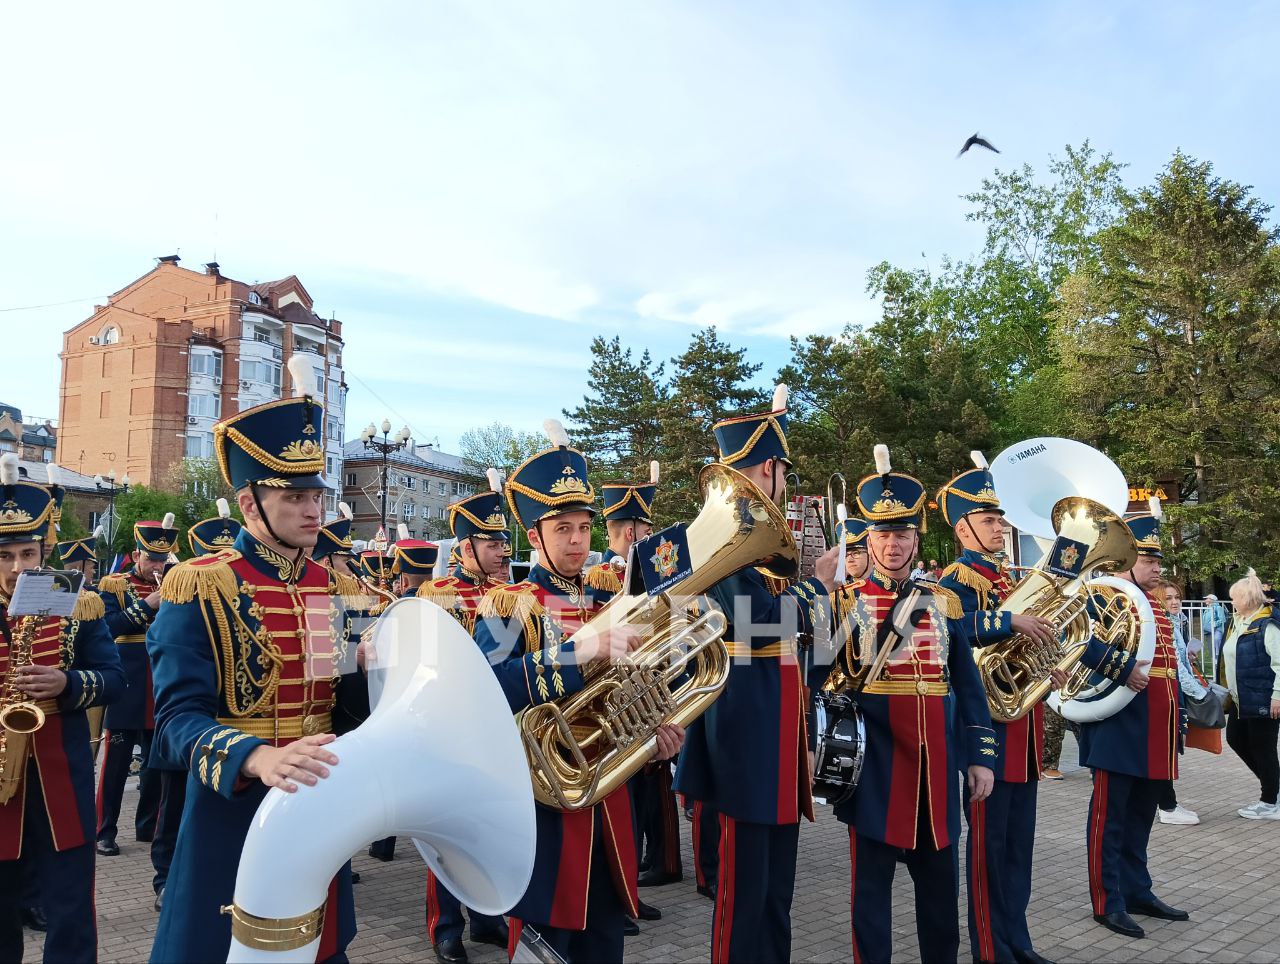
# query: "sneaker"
x,y
1180,816
1051,774
1262,811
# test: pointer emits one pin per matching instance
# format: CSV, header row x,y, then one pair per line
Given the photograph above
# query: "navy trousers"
x,y
173,796
1121,812
1002,835
658,839
752,919
706,845
601,942
444,915
64,878
936,876
116,760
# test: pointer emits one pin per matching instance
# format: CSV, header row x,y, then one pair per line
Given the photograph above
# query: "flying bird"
x,y
980,141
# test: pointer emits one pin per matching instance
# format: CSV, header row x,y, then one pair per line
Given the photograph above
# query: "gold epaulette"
x,y
346,586
89,606
517,600
206,575
443,592
968,577
117,584
948,602
776,585
604,577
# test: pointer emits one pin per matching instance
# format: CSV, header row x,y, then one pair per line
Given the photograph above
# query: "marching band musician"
x,y
852,534
377,570
49,821
132,599
746,757
81,555
1002,828
584,877
926,717
260,616
1131,753
412,562
480,528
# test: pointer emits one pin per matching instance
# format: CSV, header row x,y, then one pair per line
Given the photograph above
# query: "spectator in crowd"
x,y
1054,729
1170,810
935,570
917,571
1249,667
1213,622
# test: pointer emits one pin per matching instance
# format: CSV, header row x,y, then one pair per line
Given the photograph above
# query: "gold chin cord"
x,y
1016,672
19,716
583,747
275,933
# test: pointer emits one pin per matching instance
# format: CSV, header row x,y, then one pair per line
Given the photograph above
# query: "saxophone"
x,y
19,715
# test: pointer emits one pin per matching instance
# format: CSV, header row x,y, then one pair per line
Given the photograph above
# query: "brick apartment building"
x,y
422,481
34,441
147,375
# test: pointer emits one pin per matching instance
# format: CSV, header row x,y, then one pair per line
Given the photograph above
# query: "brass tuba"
x,y
19,715
582,748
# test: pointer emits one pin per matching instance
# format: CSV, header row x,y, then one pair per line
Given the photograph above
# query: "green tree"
x,y
140,502
500,446
72,525
1169,341
709,380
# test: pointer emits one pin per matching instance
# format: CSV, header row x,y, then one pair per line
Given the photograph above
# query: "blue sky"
x,y
477,189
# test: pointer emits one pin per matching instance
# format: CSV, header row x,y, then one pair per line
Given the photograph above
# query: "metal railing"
x,y
1204,640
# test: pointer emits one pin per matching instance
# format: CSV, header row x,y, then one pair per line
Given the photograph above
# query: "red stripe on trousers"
x,y
65,825
722,924
853,892
981,879
904,774
329,936
670,822
569,899
515,927
699,876
788,743
1097,826
433,907
939,772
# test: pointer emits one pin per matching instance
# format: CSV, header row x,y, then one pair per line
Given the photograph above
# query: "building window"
x,y
257,370
200,446
444,488
204,404
410,482
204,361
409,509
110,335
391,508
46,455
351,480
328,465
255,298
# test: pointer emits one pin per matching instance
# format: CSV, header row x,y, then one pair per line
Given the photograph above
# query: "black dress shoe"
x,y
108,848
498,936
1156,908
451,951
379,850
649,912
355,877
1121,923
1029,957
34,919
656,878
630,928
708,892
159,900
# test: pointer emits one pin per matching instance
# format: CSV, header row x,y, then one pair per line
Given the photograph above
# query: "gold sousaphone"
x,y
582,748
1088,495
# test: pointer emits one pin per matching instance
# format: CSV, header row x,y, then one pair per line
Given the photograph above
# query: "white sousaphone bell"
x,y
439,759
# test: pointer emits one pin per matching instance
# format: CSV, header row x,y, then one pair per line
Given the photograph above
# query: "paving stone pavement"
x,y
1222,871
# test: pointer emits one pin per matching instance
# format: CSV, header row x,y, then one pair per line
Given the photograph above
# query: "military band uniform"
x,y
583,885
747,756
459,594
47,827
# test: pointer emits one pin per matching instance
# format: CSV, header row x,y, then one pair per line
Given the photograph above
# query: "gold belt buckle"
x,y
312,724
922,687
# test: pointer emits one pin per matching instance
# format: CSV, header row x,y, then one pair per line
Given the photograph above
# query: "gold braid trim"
x,y
194,576
439,591
89,606
968,577
348,587
508,601
604,577
117,584
948,602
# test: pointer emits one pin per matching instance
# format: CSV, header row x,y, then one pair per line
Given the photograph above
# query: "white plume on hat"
x,y
556,433
1157,511
167,522
303,375
883,465
495,479
979,460
55,475
842,514
402,531
8,469
224,510
655,472
97,533
344,511
780,395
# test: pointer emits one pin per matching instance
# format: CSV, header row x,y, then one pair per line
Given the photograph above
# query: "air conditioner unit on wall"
x,y
191,420
95,340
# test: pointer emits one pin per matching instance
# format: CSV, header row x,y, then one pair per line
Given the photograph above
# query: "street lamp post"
x,y
385,446
110,486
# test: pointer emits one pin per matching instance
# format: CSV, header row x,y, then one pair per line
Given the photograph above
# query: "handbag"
x,y
1199,738
1208,712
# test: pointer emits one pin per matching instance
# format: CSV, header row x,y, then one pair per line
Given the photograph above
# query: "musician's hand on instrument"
x,y
153,600
1036,627
670,738
1057,679
302,760
612,642
1137,680
366,653
982,780
825,567
41,682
